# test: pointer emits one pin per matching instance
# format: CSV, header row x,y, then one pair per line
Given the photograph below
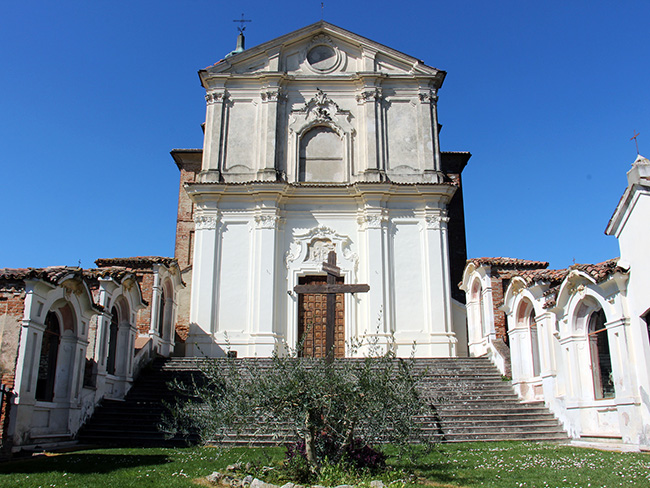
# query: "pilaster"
x,y
370,103
437,293
265,289
205,284
373,223
213,139
31,337
271,96
428,142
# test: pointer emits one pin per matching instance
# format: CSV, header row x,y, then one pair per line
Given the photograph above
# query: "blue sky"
x,y
94,95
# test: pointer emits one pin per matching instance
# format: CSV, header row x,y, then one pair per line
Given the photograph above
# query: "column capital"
x,y
430,97
373,219
273,95
369,95
206,222
436,220
268,221
215,96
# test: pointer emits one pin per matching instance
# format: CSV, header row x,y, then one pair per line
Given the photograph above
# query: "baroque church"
x,y
320,213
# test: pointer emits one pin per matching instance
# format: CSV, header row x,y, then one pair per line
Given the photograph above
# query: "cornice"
x,y
217,191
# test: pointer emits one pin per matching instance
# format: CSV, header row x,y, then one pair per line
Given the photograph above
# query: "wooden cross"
x,y
331,288
242,21
636,134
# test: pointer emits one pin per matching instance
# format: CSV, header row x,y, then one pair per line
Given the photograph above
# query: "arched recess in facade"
x,y
527,334
589,335
478,314
320,117
51,356
480,318
111,349
321,156
120,338
526,325
164,303
590,320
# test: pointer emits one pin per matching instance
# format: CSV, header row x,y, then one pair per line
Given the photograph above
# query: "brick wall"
x,y
189,164
497,301
145,280
12,305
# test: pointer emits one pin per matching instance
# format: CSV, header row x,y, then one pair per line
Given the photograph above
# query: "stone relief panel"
x,y
319,249
313,246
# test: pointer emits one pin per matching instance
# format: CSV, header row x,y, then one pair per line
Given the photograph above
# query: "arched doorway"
x,y
312,321
601,361
112,341
48,358
526,320
478,314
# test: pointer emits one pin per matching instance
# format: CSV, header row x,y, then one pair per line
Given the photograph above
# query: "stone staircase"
x,y
470,400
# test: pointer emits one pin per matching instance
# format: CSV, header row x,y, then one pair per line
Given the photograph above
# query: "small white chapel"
x,y
576,338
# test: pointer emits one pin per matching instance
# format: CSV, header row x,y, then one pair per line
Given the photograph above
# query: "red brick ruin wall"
x,y
12,306
183,251
499,316
185,216
143,319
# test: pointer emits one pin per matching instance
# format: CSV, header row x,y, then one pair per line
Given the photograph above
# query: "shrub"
x,y
337,409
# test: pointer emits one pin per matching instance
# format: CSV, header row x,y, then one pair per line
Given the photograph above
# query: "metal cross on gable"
x,y
242,22
636,134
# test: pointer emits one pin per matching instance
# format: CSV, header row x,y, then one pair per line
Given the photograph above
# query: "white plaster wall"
x,y
254,258
633,237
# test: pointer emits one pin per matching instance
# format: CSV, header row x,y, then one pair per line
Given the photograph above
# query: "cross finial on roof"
x,y
636,134
242,27
322,10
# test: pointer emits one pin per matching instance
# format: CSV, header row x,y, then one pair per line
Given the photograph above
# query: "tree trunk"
x,y
310,448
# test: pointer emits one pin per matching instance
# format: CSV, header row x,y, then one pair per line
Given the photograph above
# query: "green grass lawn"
x,y
507,464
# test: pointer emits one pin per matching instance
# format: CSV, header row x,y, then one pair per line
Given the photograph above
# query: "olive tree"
x,y
332,406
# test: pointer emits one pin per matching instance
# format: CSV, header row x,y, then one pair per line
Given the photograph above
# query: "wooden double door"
x,y
312,321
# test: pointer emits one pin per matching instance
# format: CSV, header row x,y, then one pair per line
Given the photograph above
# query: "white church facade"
x,y
319,141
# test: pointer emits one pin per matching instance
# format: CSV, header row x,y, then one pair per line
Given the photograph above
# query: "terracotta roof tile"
x,y
118,273
546,275
599,271
51,274
134,262
510,263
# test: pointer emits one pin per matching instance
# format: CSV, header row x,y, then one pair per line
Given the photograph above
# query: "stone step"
x,y
470,399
